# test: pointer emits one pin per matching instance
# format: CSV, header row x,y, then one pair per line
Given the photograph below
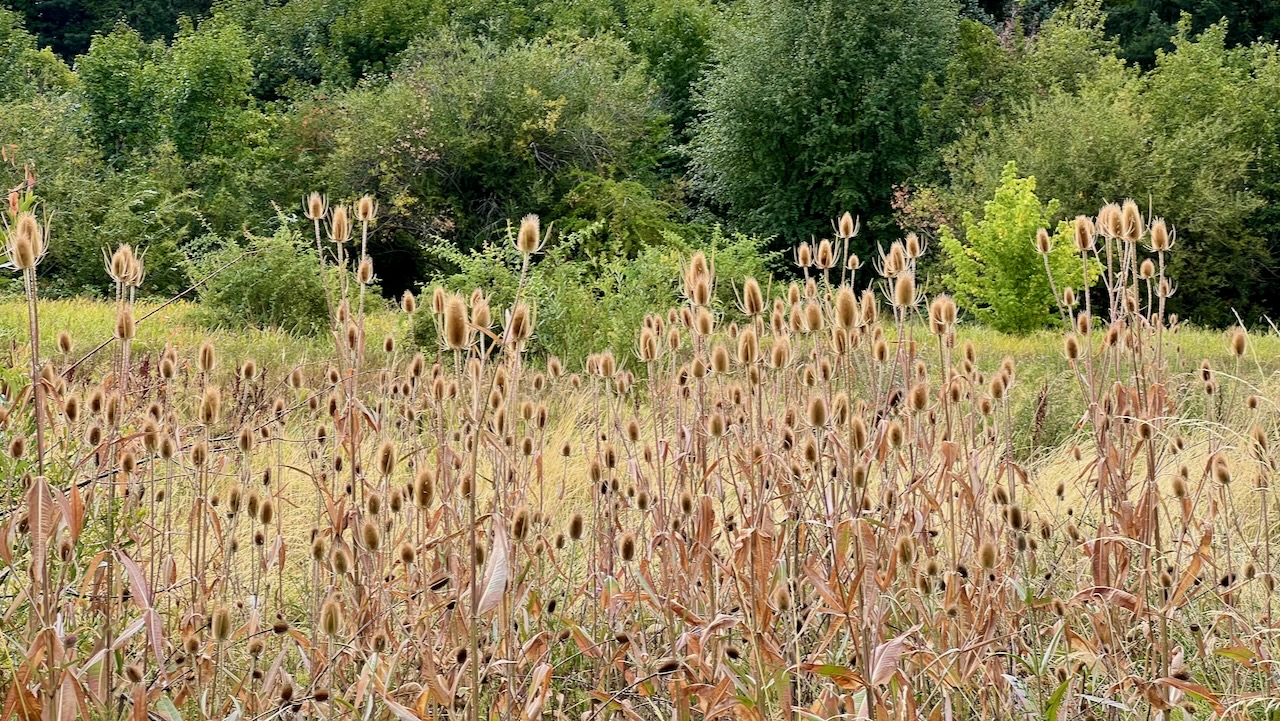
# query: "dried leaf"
x,y
1195,689
495,576
40,518
884,660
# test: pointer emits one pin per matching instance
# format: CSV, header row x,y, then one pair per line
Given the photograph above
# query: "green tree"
x,y
24,68
469,136
119,79
207,87
68,26
997,273
1192,139
812,108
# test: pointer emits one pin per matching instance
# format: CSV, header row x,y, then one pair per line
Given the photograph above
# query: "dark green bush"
x,y
276,284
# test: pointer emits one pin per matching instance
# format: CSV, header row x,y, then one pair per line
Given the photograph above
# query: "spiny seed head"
x,y
1239,342
904,291
846,308
942,315
207,358
520,523
222,623
1131,227
575,527
26,242
987,556
1043,243
1071,347
386,457
628,547
366,209
816,413
906,549
826,256
529,237
914,248
340,224
456,331
424,488
782,599
316,207
845,227
1161,236
1084,233
1221,471
330,617
133,673
752,297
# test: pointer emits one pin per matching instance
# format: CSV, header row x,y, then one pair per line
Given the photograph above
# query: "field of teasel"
x,y
805,507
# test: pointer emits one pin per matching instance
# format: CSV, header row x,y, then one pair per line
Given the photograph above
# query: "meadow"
x,y
816,503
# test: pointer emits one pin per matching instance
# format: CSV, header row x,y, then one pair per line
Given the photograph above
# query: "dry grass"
x,y
817,506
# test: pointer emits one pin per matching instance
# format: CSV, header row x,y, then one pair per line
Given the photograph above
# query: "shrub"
x,y
585,304
996,271
277,284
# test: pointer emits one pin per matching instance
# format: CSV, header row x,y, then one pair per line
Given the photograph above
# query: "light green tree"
x,y
997,272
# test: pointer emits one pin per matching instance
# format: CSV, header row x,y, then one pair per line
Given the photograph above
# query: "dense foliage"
x,y
179,126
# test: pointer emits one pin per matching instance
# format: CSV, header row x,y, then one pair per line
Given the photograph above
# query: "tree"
x,y
68,26
1192,140
24,69
470,135
813,108
997,273
207,86
120,83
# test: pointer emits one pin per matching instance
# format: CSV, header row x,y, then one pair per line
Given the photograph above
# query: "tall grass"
x,y
814,505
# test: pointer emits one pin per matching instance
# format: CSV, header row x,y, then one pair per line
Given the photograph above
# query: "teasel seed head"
x,y
26,242
1162,236
1044,244
1239,342
133,673
782,599
1131,222
529,237
366,209
1221,471
846,227
330,617
826,255
456,330
386,457
221,624
906,549
576,527
316,207
1084,233
340,225
904,291
207,358
987,556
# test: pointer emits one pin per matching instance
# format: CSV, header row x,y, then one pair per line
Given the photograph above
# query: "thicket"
x,y
177,127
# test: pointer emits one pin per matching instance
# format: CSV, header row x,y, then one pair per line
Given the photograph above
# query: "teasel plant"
x,y
807,499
